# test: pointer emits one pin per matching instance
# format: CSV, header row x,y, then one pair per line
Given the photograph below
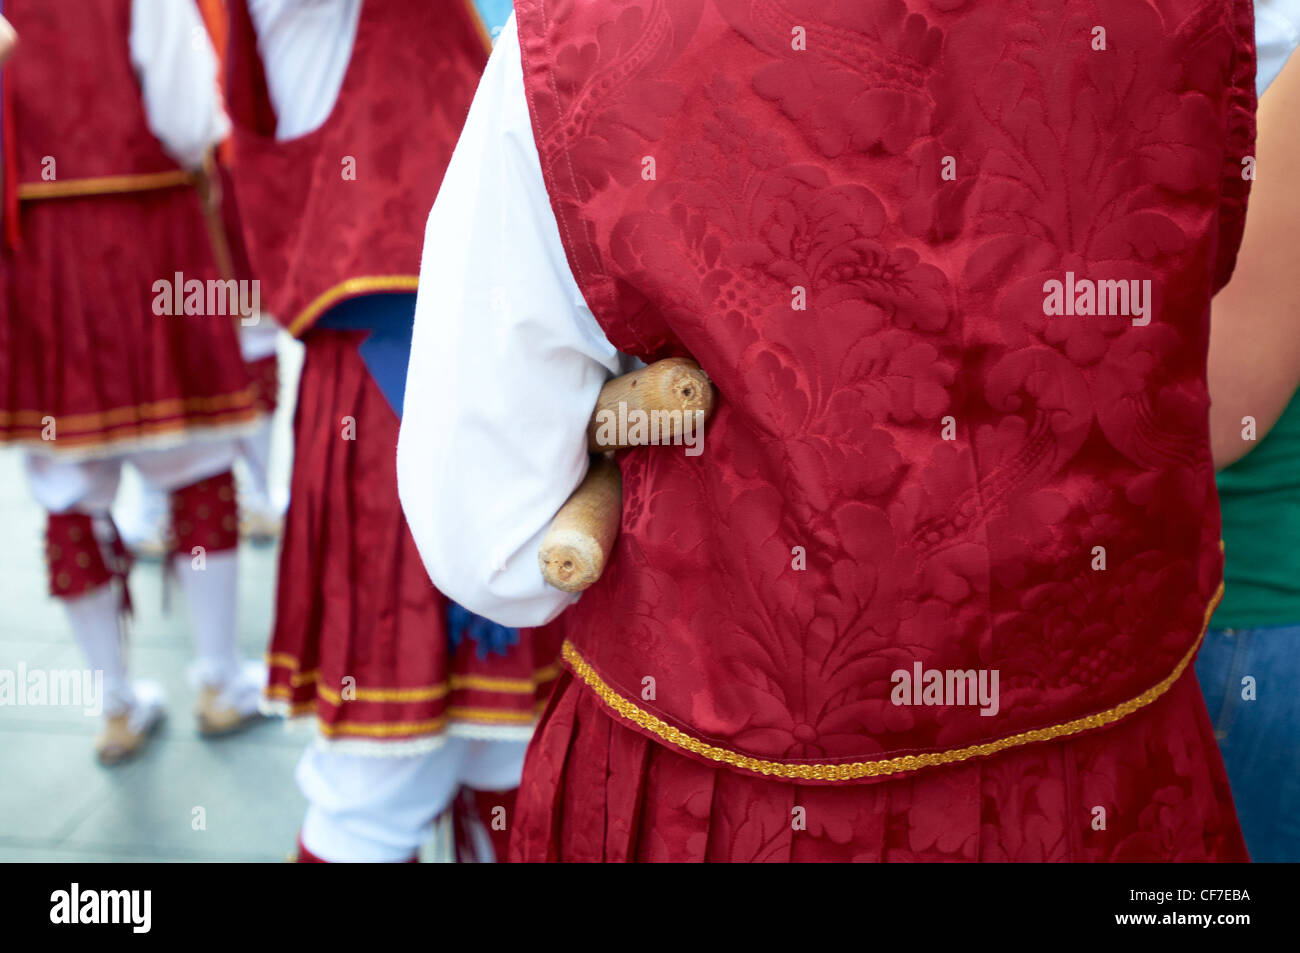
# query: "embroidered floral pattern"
x,y
798,236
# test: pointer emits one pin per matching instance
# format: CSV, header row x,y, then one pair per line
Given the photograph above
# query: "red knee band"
x,y
265,375
205,514
75,561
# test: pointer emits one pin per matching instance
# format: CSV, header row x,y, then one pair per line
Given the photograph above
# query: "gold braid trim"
x,y
347,289
874,769
105,185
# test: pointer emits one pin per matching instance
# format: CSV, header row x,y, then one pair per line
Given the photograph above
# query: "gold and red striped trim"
x,y
455,682
872,769
152,411
125,433
429,693
105,185
395,729
508,686
407,729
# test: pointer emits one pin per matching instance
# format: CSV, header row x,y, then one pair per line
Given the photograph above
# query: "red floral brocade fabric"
x,y
1151,788
76,94
919,465
340,211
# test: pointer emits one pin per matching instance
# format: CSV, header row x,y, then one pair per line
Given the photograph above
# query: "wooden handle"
x,y
577,545
574,550
8,39
673,384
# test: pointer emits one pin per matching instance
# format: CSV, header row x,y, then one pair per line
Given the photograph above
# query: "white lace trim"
x,y
195,433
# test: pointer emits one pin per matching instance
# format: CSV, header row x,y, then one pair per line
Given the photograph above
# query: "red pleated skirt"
x,y
1149,788
79,340
354,601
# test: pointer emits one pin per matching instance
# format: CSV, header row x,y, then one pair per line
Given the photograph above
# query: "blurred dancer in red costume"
x,y
109,109
922,474
145,526
345,114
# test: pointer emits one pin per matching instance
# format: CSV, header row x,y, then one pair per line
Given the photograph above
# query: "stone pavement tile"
x,y
52,784
166,664
245,782
243,793
37,650
25,610
257,579
163,661
49,661
17,853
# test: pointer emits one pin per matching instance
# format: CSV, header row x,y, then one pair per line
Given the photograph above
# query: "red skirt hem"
x,y
360,635
81,342
1149,788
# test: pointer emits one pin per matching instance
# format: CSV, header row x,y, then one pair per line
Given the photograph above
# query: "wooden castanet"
x,y
673,384
577,545
8,39
574,550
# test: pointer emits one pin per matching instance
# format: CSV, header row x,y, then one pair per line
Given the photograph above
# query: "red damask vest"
x,y
850,213
102,146
340,211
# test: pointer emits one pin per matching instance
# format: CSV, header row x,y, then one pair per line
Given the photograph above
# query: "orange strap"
x,y
214,18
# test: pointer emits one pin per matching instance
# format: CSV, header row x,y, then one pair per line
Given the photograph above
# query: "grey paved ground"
x,y
56,803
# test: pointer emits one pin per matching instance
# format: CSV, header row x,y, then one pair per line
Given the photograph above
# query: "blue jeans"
x,y
1260,739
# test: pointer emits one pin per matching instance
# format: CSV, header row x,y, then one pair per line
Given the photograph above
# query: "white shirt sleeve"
x,y
506,364
177,66
306,46
1277,33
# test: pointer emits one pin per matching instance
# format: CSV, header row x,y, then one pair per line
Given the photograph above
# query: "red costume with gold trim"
x,y
917,467
351,197
95,213
354,601
99,367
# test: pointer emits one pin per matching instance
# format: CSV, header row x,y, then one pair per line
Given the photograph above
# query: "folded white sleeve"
x,y
177,67
506,364
1277,33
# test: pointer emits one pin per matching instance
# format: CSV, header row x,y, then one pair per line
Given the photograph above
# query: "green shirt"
x,y
1260,497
